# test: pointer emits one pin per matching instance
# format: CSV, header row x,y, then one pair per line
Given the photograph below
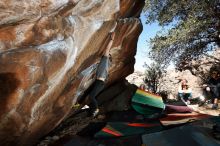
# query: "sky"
x,y
149,31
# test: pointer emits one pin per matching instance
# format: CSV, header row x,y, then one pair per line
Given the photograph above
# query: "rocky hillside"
x,y
171,81
136,78
49,51
195,71
200,67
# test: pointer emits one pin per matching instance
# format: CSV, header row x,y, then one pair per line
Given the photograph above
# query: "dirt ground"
x,y
77,121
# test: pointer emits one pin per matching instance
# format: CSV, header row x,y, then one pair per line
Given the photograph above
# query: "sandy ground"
x,y
205,109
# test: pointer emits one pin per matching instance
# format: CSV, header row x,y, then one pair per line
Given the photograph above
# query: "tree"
x,y
194,28
153,74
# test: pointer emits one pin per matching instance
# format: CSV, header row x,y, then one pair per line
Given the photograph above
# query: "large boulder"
x,y
117,97
49,51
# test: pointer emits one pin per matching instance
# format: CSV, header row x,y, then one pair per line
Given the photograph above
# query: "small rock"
x,y
55,137
48,138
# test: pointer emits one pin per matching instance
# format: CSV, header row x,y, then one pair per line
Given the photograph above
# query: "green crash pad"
x,y
147,103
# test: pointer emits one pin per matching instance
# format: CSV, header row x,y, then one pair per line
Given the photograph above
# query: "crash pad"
x,y
119,129
187,135
147,103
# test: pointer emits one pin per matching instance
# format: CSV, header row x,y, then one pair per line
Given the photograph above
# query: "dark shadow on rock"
x,y
8,85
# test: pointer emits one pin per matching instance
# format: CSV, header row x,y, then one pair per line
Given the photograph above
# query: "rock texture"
x,y
117,97
48,55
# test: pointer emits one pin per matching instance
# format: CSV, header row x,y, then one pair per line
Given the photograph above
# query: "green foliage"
x,y
195,28
153,73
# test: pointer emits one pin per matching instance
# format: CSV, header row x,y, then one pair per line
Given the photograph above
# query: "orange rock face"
x,y
48,55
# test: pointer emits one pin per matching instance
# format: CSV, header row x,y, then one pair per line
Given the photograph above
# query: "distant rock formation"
x,y
195,71
200,67
136,78
48,55
171,81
